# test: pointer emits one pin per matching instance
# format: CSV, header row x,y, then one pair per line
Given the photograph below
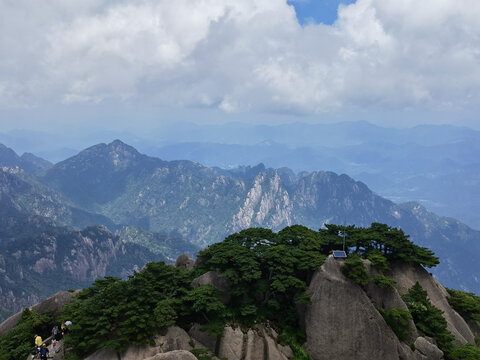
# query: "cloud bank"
x,y
240,56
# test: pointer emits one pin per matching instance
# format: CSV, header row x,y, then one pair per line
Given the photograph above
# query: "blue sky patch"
x,y
317,11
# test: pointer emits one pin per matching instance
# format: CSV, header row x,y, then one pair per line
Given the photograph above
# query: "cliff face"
x,y
406,276
46,260
343,321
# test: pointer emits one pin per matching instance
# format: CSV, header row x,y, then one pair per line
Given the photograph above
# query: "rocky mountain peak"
x,y
116,153
28,162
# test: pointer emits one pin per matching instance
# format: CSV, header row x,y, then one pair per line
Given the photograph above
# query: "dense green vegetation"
x,y
268,273
398,320
430,321
377,243
466,304
18,342
113,314
355,269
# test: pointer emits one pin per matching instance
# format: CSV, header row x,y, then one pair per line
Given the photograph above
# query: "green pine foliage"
x,y
18,343
398,320
428,319
466,304
467,352
385,282
113,314
268,273
378,260
390,242
354,269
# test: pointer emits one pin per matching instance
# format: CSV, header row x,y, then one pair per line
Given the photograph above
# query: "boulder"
x,y
343,323
175,339
54,304
185,261
427,349
406,275
215,279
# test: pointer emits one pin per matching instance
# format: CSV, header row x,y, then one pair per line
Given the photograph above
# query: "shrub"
x,y
467,352
294,338
398,320
355,270
385,282
466,304
428,319
378,260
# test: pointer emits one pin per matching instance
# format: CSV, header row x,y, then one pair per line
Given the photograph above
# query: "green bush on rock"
x,y
354,269
398,320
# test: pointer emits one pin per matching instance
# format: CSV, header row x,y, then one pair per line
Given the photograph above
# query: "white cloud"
x,y
241,55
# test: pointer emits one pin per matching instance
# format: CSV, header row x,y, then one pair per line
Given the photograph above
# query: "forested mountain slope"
x,y
204,204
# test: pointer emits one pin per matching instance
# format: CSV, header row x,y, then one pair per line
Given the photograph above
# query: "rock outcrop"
x,y
257,344
343,321
185,261
175,342
407,275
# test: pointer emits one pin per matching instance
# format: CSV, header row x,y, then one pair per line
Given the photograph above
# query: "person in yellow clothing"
x,y
38,343
38,340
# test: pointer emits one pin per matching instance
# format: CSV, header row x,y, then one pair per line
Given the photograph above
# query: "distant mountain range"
x,y
188,205
422,164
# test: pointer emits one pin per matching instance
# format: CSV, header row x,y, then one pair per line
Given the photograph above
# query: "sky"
x,y
137,64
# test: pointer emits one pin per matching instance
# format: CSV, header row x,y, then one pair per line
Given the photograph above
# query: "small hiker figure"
x,y
54,344
58,335
55,331
63,327
44,352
